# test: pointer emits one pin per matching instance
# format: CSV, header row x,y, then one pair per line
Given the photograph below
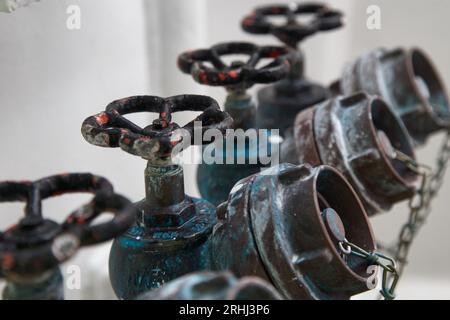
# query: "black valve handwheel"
x,y
36,244
292,31
239,73
111,129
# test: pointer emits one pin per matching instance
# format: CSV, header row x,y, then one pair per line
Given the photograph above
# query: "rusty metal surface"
x,y
292,31
32,250
259,65
240,74
171,234
208,67
208,285
169,239
408,81
288,244
278,104
359,135
156,141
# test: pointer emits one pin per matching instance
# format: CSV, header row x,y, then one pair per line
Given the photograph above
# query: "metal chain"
x,y
389,266
420,204
420,208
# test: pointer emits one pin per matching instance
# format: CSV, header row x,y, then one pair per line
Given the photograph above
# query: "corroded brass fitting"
x,y
360,136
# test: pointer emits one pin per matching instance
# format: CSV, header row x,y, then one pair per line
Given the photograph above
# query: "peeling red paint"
x,y
203,77
275,54
248,22
102,119
8,261
233,74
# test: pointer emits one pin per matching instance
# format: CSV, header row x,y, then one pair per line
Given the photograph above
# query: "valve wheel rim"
x,y
156,141
241,74
23,250
292,32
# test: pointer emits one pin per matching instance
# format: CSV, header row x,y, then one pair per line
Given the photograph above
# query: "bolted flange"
x,y
408,82
360,136
288,221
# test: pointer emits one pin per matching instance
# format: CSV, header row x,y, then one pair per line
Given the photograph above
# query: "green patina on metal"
x,y
216,180
171,235
278,104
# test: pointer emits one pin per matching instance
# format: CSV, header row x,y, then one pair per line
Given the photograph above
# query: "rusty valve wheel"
x,y
408,81
278,104
36,246
239,74
207,285
290,221
360,136
216,180
172,229
292,31
156,141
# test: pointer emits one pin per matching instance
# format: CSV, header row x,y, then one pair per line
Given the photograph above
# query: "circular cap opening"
x,y
428,85
392,139
345,217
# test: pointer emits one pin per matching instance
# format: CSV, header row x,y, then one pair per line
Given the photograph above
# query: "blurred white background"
x,y
51,78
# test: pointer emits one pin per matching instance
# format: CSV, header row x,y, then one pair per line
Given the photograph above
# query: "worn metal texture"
x,y
48,286
293,31
170,237
216,180
360,136
209,285
406,80
156,141
293,246
278,104
32,250
237,161
239,75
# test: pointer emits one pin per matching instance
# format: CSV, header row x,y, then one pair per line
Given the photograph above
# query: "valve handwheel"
x,y
156,141
292,31
36,244
279,103
238,74
172,229
260,64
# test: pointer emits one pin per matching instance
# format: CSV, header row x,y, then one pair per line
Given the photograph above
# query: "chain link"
x,y
419,205
389,266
